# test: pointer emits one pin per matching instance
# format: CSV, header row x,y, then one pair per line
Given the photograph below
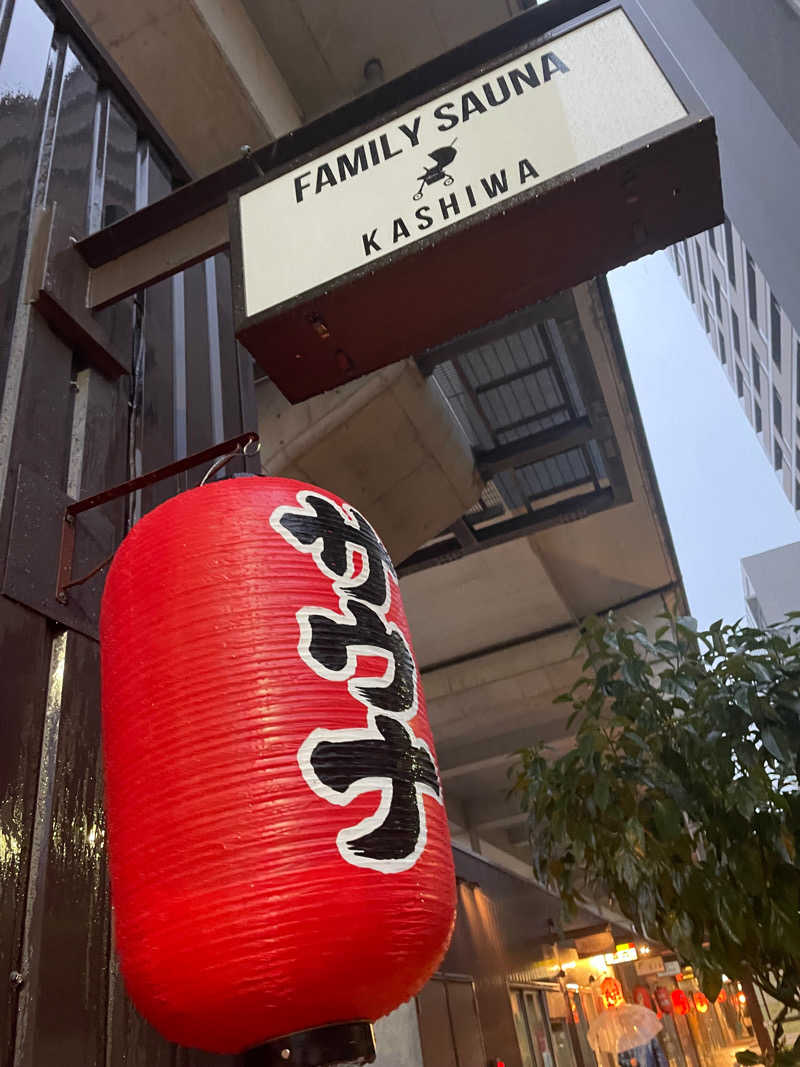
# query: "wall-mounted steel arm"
x,y
65,581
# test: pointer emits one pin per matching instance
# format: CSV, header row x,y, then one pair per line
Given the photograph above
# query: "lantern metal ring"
x,y
240,450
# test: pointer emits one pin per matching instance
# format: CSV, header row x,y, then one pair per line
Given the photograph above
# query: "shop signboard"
x,y
672,967
624,953
530,173
596,943
650,965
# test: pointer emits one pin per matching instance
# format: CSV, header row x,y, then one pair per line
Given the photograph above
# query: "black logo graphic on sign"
x,y
442,158
385,756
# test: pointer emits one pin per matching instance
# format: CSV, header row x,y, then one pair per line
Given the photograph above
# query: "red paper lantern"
x,y
663,999
280,856
611,992
701,1002
680,1002
641,995
723,996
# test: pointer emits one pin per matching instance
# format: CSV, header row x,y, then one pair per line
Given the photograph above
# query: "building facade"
x,y
742,278
771,583
752,337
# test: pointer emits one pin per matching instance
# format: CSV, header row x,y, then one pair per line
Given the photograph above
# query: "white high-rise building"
x,y
752,337
772,584
743,277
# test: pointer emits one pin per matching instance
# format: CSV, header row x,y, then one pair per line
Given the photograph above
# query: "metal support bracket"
x,y
51,535
56,285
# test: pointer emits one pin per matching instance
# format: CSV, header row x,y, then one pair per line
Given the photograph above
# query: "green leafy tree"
x,y
680,800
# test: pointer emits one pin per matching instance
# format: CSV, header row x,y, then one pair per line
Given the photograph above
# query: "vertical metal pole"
x,y
757,1016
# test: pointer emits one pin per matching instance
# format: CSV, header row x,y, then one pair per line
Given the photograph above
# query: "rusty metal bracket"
x,y
227,449
51,535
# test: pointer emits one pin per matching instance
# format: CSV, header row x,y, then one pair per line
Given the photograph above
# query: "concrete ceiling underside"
x,y
495,629
321,46
219,74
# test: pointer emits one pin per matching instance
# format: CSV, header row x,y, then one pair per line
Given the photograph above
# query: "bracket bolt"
x,y
16,979
61,597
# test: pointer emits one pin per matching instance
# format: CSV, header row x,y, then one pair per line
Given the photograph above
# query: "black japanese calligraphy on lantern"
x,y
343,544
331,643
385,756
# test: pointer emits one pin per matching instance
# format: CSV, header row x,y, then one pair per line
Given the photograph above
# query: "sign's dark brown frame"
x,y
629,202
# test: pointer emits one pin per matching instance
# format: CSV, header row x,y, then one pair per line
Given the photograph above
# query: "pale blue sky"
x,y
722,498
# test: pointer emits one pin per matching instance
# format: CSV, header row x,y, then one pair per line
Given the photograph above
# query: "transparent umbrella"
x,y
622,1028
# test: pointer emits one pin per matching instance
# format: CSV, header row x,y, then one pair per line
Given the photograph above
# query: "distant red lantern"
x,y
680,1002
641,995
280,856
611,992
663,999
723,996
701,1002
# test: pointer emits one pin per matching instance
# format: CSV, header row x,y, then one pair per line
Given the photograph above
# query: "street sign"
x,y
568,157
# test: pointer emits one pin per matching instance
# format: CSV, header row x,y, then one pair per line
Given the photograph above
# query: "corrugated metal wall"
x,y
65,138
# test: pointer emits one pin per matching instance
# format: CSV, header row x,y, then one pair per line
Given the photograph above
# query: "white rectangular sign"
x,y
649,965
589,92
625,954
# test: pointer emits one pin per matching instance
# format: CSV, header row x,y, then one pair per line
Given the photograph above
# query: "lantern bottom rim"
x,y
321,1046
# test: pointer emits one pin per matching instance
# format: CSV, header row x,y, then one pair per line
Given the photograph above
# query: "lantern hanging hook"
x,y
253,444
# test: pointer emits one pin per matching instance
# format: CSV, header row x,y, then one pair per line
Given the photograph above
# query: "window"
x,y
723,355
751,290
712,240
775,329
735,330
739,382
778,457
777,411
677,259
543,1039
729,252
797,384
757,414
717,297
700,272
797,496
797,458
706,318
689,271
756,370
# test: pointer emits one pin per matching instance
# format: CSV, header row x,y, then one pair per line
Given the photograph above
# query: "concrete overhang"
x,y
201,69
495,630
386,443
